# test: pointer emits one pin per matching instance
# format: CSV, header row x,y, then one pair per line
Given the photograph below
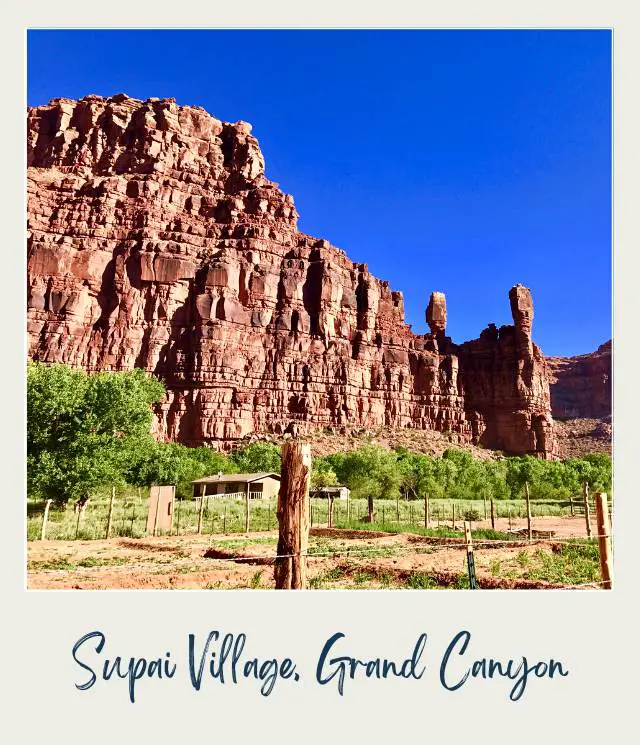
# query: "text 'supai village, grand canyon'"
x,y
218,400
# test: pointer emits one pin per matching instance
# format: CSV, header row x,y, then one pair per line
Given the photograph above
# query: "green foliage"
x,y
89,431
322,474
83,430
259,456
369,471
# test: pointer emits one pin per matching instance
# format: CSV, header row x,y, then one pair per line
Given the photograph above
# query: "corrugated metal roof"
x,y
227,478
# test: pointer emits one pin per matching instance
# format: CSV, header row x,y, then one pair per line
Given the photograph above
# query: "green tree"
x,y
371,471
84,431
322,474
257,457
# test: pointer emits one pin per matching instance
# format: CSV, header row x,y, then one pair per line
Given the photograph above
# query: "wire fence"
x,y
130,512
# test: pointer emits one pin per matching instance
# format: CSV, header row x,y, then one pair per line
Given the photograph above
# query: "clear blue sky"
x,y
459,161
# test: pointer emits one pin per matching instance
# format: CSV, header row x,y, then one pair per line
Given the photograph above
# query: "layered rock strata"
x,y
581,385
156,241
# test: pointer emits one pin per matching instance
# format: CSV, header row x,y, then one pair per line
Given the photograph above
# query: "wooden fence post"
x,y
201,510
330,511
370,507
78,523
470,560
604,539
45,517
493,515
133,518
293,517
526,496
587,515
426,511
398,510
109,518
246,510
571,505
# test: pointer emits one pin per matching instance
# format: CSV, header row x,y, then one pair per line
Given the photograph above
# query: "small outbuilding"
x,y
265,485
331,492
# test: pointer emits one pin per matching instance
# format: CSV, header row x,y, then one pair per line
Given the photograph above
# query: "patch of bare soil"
x,y
337,559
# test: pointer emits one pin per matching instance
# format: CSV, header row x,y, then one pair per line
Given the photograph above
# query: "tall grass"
x,y
130,510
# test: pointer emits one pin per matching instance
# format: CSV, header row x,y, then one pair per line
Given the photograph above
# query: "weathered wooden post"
x,y
201,510
587,515
493,515
246,509
200,514
526,496
78,523
110,515
293,517
330,511
604,539
571,505
133,518
398,510
45,517
370,507
426,511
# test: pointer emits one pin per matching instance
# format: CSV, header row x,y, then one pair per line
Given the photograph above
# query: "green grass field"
x,y
228,516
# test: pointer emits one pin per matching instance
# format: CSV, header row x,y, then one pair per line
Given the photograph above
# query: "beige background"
x,y
592,632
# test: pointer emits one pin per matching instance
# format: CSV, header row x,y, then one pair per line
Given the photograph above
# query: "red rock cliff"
x,y
155,240
581,386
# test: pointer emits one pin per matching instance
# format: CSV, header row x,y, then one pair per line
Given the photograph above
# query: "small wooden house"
x,y
264,485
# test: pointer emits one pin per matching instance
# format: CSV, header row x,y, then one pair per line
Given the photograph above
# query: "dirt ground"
x,y
339,559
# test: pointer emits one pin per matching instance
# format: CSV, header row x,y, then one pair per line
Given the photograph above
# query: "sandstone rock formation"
x,y
581,386
155,240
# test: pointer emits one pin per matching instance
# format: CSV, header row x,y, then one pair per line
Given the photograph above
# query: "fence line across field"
x,y
220,513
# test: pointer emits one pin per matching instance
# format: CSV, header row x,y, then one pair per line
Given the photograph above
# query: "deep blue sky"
x,y
459,161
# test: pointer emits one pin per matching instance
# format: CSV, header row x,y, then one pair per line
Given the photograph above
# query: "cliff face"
x,y
581,386
155,241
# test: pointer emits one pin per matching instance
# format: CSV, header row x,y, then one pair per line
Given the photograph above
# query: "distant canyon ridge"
x,y
156,241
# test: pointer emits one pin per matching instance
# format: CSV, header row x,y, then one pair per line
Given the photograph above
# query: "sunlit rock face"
x,y
156,241
581,385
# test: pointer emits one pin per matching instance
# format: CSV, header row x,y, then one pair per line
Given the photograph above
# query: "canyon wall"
x,y
156,241
581,385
